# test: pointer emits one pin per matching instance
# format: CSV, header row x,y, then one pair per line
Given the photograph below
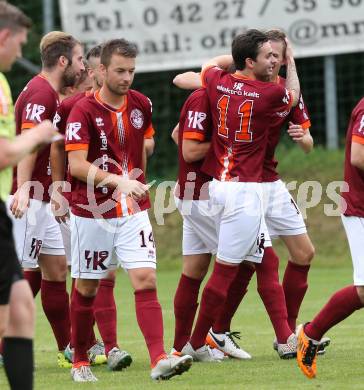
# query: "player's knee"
x,y
23,311
360,291
87,288
146,281
304,256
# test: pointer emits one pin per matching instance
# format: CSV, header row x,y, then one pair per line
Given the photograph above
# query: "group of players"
x,y
228,192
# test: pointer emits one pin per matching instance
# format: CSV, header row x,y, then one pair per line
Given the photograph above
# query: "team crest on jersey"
x,y
137,118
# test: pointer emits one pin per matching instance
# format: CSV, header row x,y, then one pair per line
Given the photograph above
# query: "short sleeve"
x,y
358,127
281,101
77,130
196,123
208,74
148,109
299,115
37,108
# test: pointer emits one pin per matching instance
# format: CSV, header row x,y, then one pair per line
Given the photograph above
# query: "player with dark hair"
x,y
235,160
109,220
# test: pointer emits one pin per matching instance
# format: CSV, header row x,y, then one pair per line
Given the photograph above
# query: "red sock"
x,y
343,303
213,297
150,320
55,303
185,306
295,287
82,318
34,279
235,295
105,313
272,295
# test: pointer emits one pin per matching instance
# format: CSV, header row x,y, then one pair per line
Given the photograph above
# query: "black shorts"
x,y
10,270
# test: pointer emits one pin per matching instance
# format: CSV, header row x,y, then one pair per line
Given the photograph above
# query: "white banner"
x,y
176,34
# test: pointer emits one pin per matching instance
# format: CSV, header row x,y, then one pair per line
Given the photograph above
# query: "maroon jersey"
x,y
60,121
194,124
114,140
299,116
64,109
354,176
38,101
242,111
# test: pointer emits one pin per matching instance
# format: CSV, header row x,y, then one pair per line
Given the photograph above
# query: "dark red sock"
x,y
150,320
82,318
185,306
34,279
272,295
343,303
235,295
213,297
105,313
295,287
55,303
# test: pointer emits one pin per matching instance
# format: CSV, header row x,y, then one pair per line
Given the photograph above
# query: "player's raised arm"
x,y
188,80
292,81
223,62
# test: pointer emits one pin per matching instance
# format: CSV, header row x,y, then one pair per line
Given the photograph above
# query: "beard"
x,y
69,77
117,90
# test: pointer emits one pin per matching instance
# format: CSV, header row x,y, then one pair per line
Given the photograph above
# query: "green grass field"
x,y
341,368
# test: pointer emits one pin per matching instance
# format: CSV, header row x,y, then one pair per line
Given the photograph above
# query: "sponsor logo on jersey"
x,y
238,86
99,122
34,111
251,94
195,119
72,131
137,118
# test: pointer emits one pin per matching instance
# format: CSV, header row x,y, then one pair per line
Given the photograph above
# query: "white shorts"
x,y
199,231
100,245
66,238
281,213
354,228
37,232
239,220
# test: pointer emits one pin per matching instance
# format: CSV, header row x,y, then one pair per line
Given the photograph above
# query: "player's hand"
x,y
45,133
133,188
296,132
289,49
20,202
59,206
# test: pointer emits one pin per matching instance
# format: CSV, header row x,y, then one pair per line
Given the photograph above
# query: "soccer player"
x,y
192,136
351,298
241,106
17,309
109,220
104,305
37,234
